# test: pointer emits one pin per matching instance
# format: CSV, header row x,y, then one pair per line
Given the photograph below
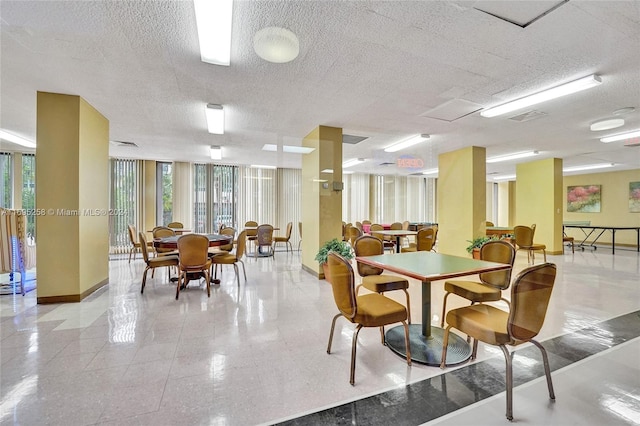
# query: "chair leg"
x,y
544,252
354,345
144,279
444,307
333,326
509,372
408,306
547,371
235,267
474,352
178,285
445,343
407,343
244,270
130,253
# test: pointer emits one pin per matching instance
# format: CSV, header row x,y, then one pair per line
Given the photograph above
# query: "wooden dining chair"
x,y
284,239
232,258
425,238
523,236
368,310
163,232
264,238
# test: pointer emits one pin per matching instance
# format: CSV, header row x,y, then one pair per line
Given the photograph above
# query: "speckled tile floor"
x,y
256,354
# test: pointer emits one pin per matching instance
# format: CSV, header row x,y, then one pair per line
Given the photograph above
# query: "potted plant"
x,y
476,243
341,247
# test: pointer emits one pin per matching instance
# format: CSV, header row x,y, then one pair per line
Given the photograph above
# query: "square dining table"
x,y
426,340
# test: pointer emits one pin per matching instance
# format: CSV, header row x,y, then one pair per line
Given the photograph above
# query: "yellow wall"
x,y
321,207
71,175
614,204
539,201
461,199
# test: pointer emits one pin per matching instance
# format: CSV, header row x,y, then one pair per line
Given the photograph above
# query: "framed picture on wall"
x,y
634,197
583,199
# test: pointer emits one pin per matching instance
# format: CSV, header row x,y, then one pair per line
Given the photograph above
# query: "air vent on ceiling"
x,y
387,164
528,116
352,140
123,143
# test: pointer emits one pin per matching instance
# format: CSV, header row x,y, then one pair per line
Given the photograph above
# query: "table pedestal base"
x,y
428,351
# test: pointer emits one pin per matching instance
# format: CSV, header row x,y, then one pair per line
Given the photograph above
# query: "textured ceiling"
x,y
373,68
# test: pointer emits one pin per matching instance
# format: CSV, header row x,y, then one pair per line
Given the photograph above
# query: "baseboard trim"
x,y
72,298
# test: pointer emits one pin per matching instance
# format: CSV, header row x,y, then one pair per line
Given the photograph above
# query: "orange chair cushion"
x,y
483,322
382,283
375,310
473,291
224,258
167,260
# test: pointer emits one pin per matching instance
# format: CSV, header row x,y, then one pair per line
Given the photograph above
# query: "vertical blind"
x,y
29,192
6,179
125,201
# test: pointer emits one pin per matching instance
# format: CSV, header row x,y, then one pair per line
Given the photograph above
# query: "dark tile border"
x,y
431,398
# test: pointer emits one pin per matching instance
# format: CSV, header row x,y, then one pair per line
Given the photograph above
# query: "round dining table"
x,y
215,240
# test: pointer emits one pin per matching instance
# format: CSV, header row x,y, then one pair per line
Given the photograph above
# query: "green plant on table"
x,y
341,247
478,242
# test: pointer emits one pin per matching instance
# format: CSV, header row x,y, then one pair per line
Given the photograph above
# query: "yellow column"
x,y
72,199
321,193
539,201
461,199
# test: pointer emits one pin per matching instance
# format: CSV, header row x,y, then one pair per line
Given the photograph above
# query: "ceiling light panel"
x,y
621,137
514,156
213,19
215,119
407,143
608,124
216,152
553,93
10,137
297,149
588,167
352,162
270,147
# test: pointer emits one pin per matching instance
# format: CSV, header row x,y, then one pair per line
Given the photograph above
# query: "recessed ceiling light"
x,y
512,156
610,123
407,143
555,92
277,45
352,162
216,152
625,110
213,19
259,166
588,167
292,149
215,119
16,139
270,147
622,136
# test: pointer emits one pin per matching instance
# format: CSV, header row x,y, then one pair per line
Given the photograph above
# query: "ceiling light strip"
x,y
215,119
621,137
407,143
588,167
213,19
16,139
514,156
352,162
553,93
216,152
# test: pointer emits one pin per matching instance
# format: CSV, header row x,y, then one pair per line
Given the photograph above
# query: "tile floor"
x,y
256,354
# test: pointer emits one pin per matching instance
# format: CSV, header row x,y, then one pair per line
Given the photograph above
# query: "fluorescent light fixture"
x,y
327,171
213,19
622,136
344,172
297,149
608,124
215,119
258,166
588,167
290,149
430,172
407,143
16,139
555,92
216,152
512,156
352,162
505,177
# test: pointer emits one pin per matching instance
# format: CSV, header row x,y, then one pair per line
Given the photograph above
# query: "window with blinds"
x,y
124,201
7,181
29,192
